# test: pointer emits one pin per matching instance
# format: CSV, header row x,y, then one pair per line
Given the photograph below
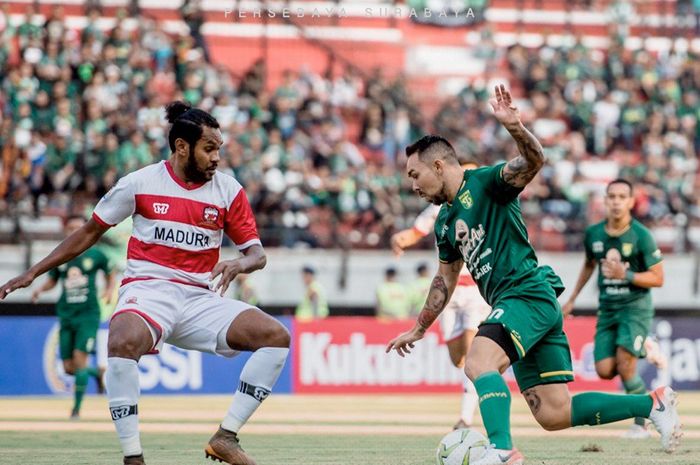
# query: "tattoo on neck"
x,y
436,301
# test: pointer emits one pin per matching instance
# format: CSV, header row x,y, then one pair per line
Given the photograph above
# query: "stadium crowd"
x,y
82,108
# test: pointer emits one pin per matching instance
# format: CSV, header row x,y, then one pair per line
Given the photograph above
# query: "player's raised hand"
x,y
23,280
398,243
228,270
503,108
405,342
613,269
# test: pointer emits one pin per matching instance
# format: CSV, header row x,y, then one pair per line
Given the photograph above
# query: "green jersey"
x,y
79,297
635,247
484,227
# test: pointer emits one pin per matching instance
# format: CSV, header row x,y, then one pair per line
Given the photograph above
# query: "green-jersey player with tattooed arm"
x,y
480,224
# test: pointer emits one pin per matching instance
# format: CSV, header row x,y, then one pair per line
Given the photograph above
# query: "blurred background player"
x,y
78,310
393,297
168,294
460,319
629,264
480,224
313,304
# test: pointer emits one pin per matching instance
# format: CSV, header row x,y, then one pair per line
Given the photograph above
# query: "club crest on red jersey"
x,y
211,214
161,208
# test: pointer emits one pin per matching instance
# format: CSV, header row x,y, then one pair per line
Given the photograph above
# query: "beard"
x,y
192,172
439,198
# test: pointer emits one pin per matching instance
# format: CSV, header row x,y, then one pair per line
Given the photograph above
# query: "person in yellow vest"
x,y
313,305
419,288
244,291
393,298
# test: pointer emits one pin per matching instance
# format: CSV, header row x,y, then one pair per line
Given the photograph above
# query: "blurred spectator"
x,y
321,157
393,298
313,304
244,291
419,288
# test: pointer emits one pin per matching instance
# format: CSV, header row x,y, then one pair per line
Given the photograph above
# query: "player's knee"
x,y
458,360
119,345
281,337
606,371
68,368
275,335
476,366
552,421
625,364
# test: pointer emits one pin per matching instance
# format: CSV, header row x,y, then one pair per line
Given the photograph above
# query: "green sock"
x,y
93,372
81,380
494,403
636,386
597,408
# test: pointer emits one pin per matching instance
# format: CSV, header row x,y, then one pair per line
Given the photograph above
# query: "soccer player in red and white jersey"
x,y
181,208
460,319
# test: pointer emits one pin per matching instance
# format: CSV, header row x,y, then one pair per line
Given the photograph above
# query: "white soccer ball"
x,y
461,447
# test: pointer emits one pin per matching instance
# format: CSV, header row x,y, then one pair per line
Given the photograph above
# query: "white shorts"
x,y
185,316
465,310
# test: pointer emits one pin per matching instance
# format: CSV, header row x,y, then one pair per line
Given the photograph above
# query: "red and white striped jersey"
x,y
424,225
178,227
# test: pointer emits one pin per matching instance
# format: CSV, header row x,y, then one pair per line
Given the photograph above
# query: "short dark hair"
x,y
187,123
619,181
422,268
308,269
390,272
432,145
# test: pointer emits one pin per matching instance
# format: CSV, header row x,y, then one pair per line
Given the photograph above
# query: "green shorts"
x,y
626,327
535,324
77,335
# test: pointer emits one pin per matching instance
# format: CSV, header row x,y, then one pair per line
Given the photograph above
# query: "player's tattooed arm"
x,y
440,291
522,169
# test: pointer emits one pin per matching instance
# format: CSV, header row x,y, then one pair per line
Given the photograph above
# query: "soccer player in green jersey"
x,y
480,224
78,310
630,264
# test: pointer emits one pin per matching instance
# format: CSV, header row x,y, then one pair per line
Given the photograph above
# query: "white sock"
x,y
257,378
122,383
470,399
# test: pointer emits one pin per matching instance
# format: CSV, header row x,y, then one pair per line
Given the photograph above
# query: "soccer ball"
x,y
461,447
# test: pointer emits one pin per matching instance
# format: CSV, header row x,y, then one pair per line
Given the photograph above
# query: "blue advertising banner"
x,y
30,364
679,341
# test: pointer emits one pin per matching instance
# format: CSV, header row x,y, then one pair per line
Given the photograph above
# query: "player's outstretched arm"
x,y
404,239
583,277
522,169
441,290
71,247
253,259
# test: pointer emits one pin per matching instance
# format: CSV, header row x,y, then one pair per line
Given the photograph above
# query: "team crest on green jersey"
x,y
626,249
466,199
88,263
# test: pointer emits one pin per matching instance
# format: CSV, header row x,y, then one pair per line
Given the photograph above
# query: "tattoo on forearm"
x,y
522,169
533,400
436,301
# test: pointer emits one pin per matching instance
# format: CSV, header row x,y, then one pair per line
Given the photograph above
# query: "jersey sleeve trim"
x,y
100,221
248,244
